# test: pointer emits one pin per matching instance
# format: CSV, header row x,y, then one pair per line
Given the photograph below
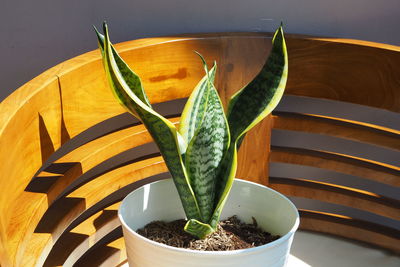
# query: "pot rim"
x,y
274,243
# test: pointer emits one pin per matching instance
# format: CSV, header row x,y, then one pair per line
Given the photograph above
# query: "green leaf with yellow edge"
x,y
206,149
257,99
131,78
194,110
163,131
248,107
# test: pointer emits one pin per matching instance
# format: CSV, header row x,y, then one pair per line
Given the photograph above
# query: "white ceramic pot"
x,y
160,201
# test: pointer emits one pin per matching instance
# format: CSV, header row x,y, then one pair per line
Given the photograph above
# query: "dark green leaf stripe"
x,y
205,153
195,107
131,78
260,96
163,131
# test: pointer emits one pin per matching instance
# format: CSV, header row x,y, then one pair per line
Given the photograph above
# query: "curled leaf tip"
x,y
279,32
105,27
100,38
200,55
203,60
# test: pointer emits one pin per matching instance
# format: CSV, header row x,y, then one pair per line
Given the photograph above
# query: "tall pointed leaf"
x,y
194,110
163,131
131,78
205,153
248,107
256,100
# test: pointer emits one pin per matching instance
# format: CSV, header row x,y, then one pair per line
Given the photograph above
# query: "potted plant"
x,y
202,157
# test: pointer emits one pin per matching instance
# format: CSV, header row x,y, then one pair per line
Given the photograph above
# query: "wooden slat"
x,y
61,251
337,162
40,243
89,155
90,194
351,197
28,135
109,182
393,48
118,244
93,153
340,71
91,225
251,161
349,228
337,127
109,254
91,230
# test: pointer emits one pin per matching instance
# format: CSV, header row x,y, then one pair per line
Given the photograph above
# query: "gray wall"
x,y
36,35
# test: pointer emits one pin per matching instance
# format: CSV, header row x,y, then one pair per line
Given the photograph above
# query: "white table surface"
x,y
319,250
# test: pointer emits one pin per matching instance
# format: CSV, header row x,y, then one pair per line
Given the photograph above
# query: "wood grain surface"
x,y
45,113
348,227
342,195
351,130
372,170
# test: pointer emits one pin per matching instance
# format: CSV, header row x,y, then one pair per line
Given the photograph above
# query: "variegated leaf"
x,y
257,99
194,110
203,157
163,131
248,107
205,153
131,78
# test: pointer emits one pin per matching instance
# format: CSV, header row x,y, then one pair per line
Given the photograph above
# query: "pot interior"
x,y
160,201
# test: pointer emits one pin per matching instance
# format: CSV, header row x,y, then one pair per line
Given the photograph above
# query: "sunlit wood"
x,y
351,130
342,226
42,115
337,194
341,163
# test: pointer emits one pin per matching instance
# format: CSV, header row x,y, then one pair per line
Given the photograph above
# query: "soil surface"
x,y
231,234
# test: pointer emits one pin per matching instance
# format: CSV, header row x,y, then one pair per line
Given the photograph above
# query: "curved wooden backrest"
x,y
63,212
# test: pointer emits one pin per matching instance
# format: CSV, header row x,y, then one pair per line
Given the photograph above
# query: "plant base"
x,y
159,201
232,234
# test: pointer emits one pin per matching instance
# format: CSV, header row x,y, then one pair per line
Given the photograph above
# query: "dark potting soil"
x,y
231,234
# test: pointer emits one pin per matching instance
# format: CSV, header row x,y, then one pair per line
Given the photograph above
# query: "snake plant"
x,y
201,154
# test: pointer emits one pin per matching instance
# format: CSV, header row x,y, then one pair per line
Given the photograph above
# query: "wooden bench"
x,y
69,154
